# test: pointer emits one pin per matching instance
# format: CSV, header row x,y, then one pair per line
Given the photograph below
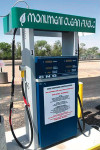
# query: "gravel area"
x,y
89,74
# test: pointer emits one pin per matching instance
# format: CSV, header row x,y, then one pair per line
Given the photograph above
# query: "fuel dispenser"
x,y
56,92
49,84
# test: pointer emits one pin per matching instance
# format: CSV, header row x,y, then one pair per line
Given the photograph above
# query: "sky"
x,y
86,8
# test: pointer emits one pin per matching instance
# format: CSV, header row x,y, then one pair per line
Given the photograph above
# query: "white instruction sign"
x,y
59,102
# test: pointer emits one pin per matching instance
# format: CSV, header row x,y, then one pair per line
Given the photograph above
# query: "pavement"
x,y
91,103
90,138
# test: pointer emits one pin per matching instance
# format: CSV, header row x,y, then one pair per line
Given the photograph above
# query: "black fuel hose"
x,y
12,130
83,120
24,97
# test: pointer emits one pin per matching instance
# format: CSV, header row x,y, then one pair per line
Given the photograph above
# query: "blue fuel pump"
x,y
56,88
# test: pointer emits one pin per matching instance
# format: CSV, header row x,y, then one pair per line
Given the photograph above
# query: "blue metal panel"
x,y
51,67
58,131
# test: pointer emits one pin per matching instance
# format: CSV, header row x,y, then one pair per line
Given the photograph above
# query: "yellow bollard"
x,y
81,98
22,74
97,147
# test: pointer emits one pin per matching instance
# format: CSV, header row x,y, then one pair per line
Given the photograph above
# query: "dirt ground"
x,y
89,74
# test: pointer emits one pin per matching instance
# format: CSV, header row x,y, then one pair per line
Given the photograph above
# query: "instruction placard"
x,y
59,102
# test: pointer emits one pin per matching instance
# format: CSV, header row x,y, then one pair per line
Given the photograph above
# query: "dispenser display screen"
x,y
53,67
59,102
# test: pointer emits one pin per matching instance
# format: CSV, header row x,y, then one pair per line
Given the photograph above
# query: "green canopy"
x,y
43,20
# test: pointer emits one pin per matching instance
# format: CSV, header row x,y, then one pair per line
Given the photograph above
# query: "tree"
x,y
48,50
18,50
91,52
94,50
41,44
57,49
6,50
82,50
1,54
82,45
42,48
98,55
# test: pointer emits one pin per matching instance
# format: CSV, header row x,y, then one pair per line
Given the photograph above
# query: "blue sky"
x,y
87,8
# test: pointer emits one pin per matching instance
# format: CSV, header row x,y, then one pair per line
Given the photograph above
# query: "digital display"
x,y
53,67
48,61
48,68
49,72
68,66
69,60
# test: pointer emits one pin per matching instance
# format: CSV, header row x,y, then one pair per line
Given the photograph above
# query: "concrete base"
x,y
90,138
2,135
3,77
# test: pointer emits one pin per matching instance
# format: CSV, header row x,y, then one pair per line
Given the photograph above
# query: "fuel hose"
x,y
27,106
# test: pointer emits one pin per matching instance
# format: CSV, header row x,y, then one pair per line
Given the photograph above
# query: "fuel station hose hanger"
x,y
15,5
24,97
21,1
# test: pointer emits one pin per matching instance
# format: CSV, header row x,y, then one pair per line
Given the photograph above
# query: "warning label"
x,y
59,102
